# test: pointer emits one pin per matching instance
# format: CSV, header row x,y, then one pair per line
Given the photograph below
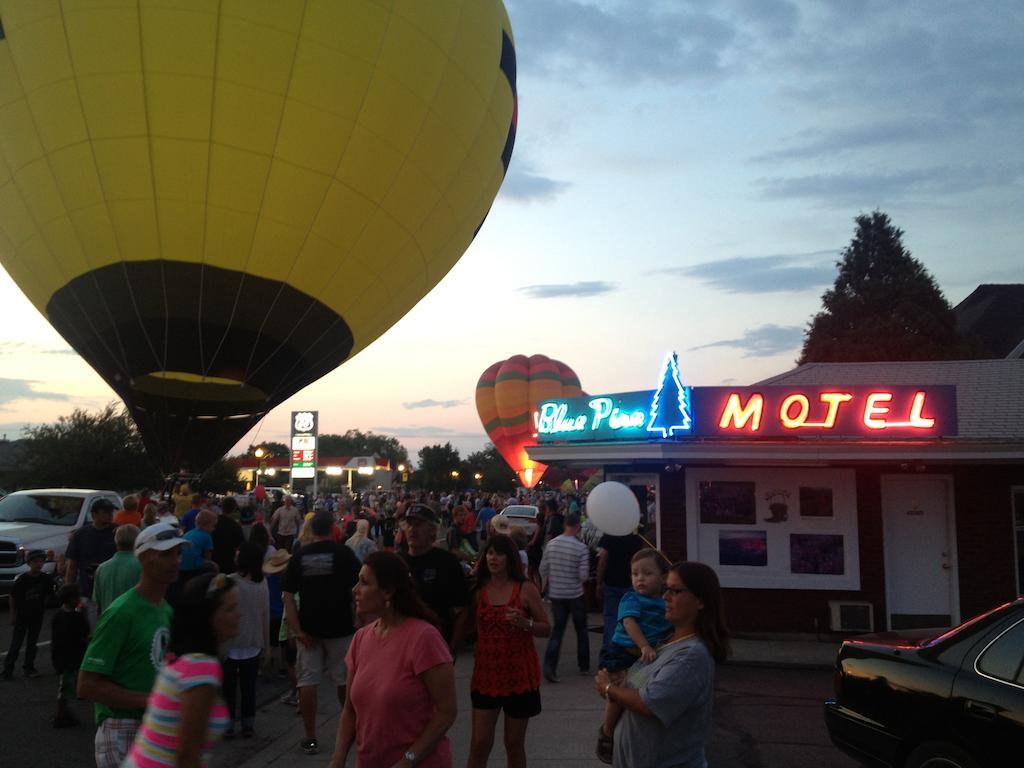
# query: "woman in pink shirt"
x,y
397,663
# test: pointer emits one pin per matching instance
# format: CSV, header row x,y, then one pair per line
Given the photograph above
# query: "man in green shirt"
x,y
129,643
121,572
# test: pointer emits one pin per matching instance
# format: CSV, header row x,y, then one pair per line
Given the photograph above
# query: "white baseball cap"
x,y
161,537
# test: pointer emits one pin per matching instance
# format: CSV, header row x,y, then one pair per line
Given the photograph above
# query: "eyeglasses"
x,y
674,591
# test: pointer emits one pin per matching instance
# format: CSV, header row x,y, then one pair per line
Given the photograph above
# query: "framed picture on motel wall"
x,y
816,553
725,502
743,548
816,502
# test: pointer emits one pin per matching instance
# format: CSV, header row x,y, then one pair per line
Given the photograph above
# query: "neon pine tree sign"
x,y
670,409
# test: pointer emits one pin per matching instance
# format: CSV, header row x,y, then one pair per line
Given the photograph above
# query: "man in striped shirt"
x,y
565,568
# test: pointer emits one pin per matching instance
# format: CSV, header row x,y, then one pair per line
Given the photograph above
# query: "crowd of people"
x,y
169,609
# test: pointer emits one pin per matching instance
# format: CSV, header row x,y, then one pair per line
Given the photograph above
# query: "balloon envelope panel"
x,y
216,203
508,393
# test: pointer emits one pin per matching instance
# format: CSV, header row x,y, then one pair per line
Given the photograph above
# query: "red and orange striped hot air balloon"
x,y
507,396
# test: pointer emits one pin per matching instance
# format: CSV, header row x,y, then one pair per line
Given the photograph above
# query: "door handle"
x,y
946,566
980,710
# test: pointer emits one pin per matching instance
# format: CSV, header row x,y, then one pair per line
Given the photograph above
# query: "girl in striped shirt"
x,y
186,714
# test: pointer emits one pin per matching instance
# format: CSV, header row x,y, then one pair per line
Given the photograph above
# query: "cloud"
x,y
21,347
424,431
814,143
885,187
624,40
578,290
763,341
22,389
763,274
433,404
523,185
960,61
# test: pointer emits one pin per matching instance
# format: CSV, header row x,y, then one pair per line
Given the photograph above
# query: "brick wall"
x,y
984,532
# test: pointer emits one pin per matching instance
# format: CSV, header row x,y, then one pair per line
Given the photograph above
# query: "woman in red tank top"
x,y
506,673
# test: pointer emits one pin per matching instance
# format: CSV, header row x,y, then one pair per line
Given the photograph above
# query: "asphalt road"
x,y
27,706
772,718
764,718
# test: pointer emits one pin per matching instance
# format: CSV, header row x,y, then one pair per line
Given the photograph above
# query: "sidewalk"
x,y
570,707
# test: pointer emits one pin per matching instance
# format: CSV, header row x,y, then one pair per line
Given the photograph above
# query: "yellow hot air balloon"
x,y
218,202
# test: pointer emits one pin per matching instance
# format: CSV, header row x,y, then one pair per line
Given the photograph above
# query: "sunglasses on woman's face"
x,y
674,591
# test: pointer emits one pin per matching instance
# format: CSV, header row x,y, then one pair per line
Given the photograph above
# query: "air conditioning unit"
x,y
850,616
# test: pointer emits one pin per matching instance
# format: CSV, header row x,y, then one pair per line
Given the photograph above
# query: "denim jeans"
x,y
612,597
241,673
562,609
21,630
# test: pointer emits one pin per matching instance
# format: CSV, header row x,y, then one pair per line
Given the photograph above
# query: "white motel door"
x,y
920,554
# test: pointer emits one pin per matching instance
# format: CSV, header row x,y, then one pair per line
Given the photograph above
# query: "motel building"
x,y
845,497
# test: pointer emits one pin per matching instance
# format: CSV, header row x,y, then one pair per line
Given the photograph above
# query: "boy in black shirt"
x,y
28,604
70,637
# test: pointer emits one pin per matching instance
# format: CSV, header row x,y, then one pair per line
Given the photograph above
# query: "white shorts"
x,y
325,658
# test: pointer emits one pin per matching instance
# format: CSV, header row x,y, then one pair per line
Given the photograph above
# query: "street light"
x,y
259,453
401,467
455,474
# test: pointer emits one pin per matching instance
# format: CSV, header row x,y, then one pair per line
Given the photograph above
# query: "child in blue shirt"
x,y
640,628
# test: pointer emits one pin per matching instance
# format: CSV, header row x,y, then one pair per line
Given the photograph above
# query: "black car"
x,y
915,699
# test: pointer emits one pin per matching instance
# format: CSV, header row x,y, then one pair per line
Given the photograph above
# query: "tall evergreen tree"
x,y
884,304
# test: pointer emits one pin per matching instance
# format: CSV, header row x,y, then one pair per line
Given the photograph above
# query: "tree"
x,y
221,477
884,305
437,462
271,450
357,443
88,450
670,411
496,476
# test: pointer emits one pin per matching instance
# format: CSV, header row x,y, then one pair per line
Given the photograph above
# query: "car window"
x,y
1004,658
40,508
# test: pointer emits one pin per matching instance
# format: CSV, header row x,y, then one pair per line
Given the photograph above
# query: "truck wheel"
x,y
940,754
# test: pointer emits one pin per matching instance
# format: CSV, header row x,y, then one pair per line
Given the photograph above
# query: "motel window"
x,y
775,528
1018,530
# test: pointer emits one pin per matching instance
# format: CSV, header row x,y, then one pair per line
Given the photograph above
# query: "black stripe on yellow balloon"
x,y
508,67
191,410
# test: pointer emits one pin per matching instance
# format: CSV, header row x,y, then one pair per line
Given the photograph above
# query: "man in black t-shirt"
x,y
227,536
322,574
90,546
555,520
437,573
614,578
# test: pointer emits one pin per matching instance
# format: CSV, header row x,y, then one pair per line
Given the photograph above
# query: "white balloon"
x,y
613,508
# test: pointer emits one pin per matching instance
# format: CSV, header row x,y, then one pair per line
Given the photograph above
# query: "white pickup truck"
x,y
42,519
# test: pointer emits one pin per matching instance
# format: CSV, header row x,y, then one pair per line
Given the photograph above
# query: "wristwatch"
x,y
410,756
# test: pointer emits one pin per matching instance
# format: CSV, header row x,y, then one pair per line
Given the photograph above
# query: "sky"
x,y
685,176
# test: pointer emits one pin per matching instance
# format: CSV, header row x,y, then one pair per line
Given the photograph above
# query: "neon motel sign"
x,y
678,412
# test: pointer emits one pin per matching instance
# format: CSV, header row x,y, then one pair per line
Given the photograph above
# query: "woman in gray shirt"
x,y
667,703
